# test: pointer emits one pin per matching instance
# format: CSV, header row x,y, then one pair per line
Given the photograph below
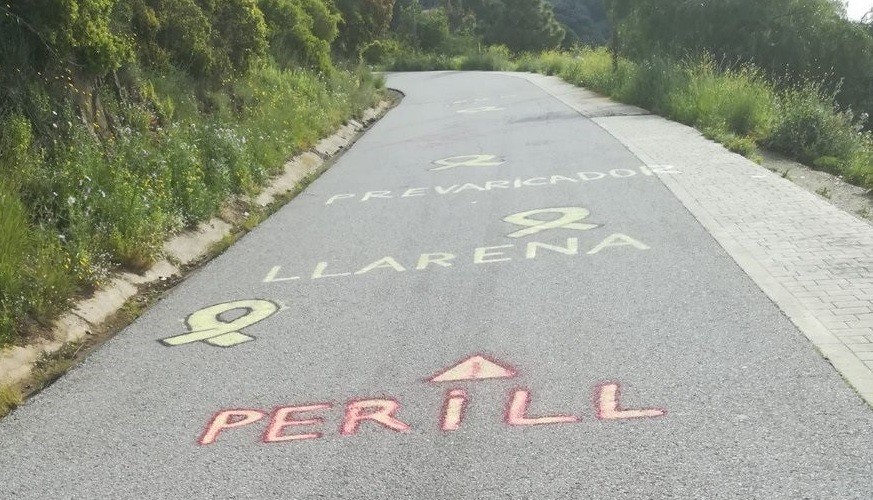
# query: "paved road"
x,y
487,297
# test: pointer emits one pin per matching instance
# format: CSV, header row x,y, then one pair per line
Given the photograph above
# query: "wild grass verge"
x,y
76,204
735,105
10,399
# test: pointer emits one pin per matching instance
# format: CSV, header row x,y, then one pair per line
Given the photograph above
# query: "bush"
x,y
740,102
300,32
381,51
62,31
738,107
494,58
810,126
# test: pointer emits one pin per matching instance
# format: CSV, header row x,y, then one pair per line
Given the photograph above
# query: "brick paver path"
x,y
812,259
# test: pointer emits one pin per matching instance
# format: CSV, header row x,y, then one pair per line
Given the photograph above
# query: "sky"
x,y
857,8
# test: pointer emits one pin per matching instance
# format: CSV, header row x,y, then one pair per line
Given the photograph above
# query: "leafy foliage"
x,y
301,32
121,121
585,21
520,25
794,40
364,21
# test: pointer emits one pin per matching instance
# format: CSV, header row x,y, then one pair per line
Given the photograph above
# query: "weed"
x,y
10,399
824,192
51,366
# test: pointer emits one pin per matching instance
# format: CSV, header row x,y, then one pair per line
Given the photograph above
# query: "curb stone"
x,y
805,254
184,249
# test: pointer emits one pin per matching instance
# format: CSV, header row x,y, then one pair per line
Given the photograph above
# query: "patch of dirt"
x,y
847,197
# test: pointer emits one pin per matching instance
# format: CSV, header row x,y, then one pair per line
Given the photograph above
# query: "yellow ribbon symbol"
x,y
569,219
207,326
467,161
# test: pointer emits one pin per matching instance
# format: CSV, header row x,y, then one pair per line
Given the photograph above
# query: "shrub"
x,y
381,51
810,126
494,58
176,32
300,32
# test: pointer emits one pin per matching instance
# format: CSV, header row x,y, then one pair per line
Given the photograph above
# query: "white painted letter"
x,y
271,276
319,272
618,240
481,253
572,248
339,197
376,194
414,192
591,176
441,259
383,263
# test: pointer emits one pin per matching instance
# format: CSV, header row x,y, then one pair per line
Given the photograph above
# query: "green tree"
x,y
798,39
363,21
175,32
521,25
60,32
584,20
239,35
301,32
426,30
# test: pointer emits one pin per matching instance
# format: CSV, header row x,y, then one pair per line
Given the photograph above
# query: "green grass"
x,y
10,399
489,59
75,205
734,105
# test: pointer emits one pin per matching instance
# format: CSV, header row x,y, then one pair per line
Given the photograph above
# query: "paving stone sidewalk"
x,y
812,259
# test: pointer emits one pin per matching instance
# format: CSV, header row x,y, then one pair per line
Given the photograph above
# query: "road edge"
x,y
95,320
599,108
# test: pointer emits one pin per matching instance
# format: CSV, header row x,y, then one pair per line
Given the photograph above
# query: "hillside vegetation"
x,y
122,121
789,75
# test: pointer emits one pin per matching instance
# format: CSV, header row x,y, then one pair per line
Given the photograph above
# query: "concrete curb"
x,y
183,249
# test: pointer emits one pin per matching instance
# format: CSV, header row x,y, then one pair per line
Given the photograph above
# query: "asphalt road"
x,y
488,296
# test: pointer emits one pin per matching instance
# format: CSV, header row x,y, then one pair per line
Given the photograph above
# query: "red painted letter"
x,y
453,410
608,408
378,410
516,412
281,420
229,419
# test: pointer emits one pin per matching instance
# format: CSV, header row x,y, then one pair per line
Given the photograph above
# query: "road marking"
x,y
565,178
283,418
383,412
454,410
467,161
472,100
516,412
476,367
569,219
481,109
207,326
229,419
606,398
431,261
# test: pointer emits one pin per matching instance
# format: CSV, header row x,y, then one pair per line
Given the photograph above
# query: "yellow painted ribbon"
x,y
205,324
570,217
467,161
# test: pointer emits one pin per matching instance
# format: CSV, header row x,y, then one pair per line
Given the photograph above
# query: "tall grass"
x,y
733,104
496,58
77,206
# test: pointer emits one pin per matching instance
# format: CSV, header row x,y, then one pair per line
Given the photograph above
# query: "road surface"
x,y
488,296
